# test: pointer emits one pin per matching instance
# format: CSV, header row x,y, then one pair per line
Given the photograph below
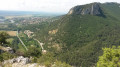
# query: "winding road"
x,y
41,44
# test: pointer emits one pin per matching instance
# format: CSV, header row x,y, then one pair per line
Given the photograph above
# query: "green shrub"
x,y
60,64
47,59
6,56
1,58
34,52
3,37
110,57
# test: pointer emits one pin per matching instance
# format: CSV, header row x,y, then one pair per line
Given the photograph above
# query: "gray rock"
x,y
20,62
89,9
10,50
6,49
25,61
19,59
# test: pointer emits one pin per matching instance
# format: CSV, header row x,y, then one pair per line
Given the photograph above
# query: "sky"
x,y
58,6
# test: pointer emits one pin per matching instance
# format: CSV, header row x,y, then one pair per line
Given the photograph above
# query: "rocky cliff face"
x,y
89,9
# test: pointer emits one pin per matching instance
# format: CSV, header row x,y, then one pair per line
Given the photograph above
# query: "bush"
x,y
46,59
1,58
20,53
34,52
3,37
110,57
6,56
60,64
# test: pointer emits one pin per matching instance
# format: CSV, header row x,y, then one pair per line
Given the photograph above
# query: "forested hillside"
x,y
74,39
79,39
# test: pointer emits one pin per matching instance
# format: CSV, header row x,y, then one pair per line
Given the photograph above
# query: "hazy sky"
x,y
45,5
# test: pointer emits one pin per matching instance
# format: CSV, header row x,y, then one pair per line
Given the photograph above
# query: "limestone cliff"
x,y
89,9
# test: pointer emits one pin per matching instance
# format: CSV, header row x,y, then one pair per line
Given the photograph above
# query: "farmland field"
x,y
11,33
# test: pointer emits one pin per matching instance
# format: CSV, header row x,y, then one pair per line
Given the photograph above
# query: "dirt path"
x,y
41,44
21,41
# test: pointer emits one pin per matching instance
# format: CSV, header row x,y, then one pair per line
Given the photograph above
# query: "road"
x,y
41,44
21,41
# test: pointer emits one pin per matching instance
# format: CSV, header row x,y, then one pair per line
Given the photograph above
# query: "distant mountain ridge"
x,y
14,13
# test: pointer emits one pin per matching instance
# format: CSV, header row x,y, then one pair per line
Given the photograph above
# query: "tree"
x,y
3,37
110,57
46,59
60,64
34,52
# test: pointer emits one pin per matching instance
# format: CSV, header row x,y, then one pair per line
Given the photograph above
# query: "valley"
x,y
76,39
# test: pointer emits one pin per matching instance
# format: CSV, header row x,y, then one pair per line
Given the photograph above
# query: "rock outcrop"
x,y
20,59
20,62
89,9
6,49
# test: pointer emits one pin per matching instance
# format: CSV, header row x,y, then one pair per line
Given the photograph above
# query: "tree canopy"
x,y
110,57
34,52
3,37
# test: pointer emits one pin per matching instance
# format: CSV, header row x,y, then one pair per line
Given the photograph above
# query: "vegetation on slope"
x,y
78,39
110,57
112,9
81,38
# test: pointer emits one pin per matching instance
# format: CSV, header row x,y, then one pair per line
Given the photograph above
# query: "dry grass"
x,y
11,33
3,48
53,31
57,46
